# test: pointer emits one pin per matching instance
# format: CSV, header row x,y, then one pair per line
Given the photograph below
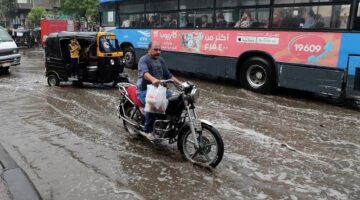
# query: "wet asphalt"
x,y
70,142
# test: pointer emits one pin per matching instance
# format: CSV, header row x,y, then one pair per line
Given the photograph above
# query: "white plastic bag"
x,y
155,100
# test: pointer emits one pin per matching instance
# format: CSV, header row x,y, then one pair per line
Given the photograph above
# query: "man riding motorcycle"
x,y
152,69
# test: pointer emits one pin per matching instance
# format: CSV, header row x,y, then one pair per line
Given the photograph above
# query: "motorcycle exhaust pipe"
x,y
129,121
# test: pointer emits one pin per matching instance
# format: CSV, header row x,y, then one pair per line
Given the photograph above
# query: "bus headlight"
x,y
195,94
112,62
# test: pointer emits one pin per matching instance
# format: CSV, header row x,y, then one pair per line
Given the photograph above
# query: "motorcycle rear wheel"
x,y
131,112
211,148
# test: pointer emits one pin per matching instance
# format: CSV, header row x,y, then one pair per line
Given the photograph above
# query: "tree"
x,y
35,15
86,9
7,10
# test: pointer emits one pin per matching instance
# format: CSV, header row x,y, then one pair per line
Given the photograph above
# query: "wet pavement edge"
x,y
14,182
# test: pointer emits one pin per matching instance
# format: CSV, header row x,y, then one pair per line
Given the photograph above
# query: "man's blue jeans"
x,y
149,117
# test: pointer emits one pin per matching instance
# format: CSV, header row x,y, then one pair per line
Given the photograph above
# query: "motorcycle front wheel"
x,y
211,146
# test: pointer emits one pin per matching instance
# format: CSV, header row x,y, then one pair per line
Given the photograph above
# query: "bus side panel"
x,y
209,66
349,59
318,80
139,53
353,79
138,38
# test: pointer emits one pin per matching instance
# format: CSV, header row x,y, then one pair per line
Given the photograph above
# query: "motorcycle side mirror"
x,y
187,86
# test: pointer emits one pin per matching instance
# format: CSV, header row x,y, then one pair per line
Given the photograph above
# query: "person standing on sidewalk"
x,y
74,49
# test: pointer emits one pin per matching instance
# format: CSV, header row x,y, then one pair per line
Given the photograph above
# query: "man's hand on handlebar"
x,y
155,82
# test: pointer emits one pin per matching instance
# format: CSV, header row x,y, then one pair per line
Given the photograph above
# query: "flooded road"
x,y
72,145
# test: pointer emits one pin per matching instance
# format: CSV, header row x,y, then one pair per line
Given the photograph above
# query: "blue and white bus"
x,y
300,44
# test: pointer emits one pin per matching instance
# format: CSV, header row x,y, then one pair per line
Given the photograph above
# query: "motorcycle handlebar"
x,y
164,82
167,81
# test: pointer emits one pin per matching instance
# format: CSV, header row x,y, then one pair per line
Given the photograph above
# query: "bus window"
x,y
191,4
312,17
152,20
197,19
161,20
357,18
344,16
161,5
131,6
168,20
303,1
242,18
131,21
108,18
232,3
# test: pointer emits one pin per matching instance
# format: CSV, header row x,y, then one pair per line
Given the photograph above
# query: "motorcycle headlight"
x,y
195,94
112,62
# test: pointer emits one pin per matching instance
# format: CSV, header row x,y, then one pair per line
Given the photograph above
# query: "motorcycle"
x,y
198,141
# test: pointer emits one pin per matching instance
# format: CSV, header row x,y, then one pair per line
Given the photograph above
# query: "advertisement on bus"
x,y
294,47
315,48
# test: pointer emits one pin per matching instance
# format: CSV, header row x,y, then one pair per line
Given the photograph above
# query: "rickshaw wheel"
x,y
53,80
129,57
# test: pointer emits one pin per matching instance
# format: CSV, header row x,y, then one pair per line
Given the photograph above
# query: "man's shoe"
x,y
149,136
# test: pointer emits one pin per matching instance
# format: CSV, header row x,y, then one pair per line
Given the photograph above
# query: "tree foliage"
x,y
7,8
35,15
81,8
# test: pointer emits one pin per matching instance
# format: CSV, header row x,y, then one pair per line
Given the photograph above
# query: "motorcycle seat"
x,y
132,95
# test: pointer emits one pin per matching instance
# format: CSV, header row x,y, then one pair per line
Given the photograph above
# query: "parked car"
x,y
9,52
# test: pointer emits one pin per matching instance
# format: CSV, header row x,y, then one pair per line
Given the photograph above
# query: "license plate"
x,y
6,64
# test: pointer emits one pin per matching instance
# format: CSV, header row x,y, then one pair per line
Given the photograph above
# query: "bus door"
x,y
353,78
353,68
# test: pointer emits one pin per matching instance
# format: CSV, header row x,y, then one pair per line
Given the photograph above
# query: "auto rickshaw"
x,y
100,58
23,37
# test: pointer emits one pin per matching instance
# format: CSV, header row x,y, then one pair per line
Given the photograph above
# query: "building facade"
x,y
23,7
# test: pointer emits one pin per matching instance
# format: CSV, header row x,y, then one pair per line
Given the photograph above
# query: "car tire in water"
x,y
129,57
4,70
53,80
209,137
258,75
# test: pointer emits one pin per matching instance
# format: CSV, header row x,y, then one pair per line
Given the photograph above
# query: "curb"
x,y
18,183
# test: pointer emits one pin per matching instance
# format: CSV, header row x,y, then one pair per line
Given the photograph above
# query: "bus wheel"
x,y
257,75
53,80
129,57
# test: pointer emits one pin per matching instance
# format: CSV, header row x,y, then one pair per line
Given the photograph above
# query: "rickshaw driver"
x,y
152,69
74,49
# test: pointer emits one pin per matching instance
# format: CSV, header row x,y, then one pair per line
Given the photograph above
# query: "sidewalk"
x,y
14,183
